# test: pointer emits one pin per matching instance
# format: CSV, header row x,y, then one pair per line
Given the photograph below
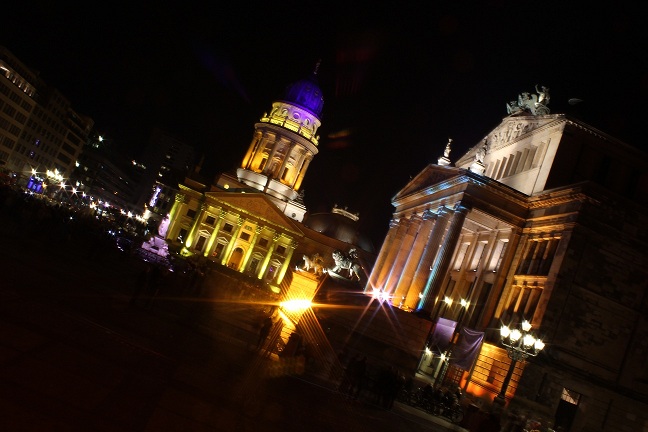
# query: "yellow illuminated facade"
x,y
223,228
284,143
538,222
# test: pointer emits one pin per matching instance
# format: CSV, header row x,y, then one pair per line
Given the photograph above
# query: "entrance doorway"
x,y
566,411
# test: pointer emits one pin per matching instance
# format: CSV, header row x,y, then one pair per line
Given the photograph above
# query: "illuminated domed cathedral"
x,y
254,220
518,272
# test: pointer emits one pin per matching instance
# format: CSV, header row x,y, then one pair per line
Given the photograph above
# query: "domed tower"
x,y
284,143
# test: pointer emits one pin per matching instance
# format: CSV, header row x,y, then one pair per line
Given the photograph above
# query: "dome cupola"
x,y
306,93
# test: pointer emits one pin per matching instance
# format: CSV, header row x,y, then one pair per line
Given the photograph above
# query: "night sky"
x,y
398,79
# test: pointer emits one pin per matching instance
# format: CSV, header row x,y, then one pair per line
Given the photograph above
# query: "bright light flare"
x,y
296,305
505,331
526,325
379,295
528,340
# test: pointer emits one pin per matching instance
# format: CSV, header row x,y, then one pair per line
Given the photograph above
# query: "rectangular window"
x,y
501,256
245,236
263,242
63,158
228,227
281,250
480,248
209,220
200,243
460,256
191,213
219,249
182,235
271,273
254,264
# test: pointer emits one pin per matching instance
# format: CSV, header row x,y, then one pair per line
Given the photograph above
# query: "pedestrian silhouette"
x,y
264,331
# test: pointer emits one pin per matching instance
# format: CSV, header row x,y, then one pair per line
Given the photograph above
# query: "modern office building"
x,y
41,135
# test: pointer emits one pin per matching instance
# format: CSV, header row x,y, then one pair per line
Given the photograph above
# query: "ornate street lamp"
x,y
520,344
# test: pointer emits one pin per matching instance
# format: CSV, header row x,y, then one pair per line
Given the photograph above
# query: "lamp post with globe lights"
x,y
520,344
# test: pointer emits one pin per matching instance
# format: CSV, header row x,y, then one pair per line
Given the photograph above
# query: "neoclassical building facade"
x,y
544,220
244,232
254,220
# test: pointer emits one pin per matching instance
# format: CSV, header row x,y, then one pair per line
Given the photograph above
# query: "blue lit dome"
x,y
307,94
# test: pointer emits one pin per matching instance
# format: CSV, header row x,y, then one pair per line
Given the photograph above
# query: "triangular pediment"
x,y
512,129
431,175
256,205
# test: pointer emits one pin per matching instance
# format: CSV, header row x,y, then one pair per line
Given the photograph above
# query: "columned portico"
x,y
382,255
392,252
409,298
425,263
405,251
443,258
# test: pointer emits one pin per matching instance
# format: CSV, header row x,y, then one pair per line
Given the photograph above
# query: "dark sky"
x,y
398,79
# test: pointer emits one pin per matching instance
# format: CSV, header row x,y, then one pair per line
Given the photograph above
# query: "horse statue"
x,y
347,262
536,104
315,263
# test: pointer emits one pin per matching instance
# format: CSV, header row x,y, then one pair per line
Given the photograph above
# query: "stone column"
x,y
252,150
404,251
196,222
392,253
228,252
271,249
214,234
174,218
285,161
425,263
284,266
402,291
257,231
442,260
302,172
382,256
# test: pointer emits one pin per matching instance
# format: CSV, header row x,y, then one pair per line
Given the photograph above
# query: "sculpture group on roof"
x,y
536,104
314,263
347,262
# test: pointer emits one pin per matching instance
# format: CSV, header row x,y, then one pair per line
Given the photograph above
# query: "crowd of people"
x,y
382,385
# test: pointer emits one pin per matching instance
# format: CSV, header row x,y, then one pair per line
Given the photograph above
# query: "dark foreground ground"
x,y
76,355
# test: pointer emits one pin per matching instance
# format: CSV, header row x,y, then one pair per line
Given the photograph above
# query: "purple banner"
x,y
443,331
463,355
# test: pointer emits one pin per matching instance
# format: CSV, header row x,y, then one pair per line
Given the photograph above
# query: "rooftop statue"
x,y
446,152
346,262
314,263
536,104
481,151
